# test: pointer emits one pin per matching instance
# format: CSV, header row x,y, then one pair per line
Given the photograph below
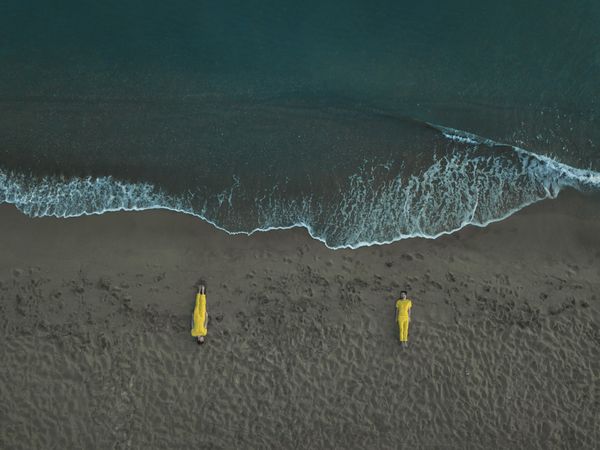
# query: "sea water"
x,y
365,122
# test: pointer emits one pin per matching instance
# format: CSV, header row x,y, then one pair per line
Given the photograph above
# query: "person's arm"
x,y
396,313
205,320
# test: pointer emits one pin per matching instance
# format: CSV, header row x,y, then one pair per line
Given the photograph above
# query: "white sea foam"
x,y
469,187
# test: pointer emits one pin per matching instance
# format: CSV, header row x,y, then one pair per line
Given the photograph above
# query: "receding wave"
x,y
473,181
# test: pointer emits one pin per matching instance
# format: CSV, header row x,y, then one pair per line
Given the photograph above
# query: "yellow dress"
x,y
199,316
403,306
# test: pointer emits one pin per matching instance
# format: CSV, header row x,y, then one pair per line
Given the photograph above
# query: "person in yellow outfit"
x,y
200,316
403,307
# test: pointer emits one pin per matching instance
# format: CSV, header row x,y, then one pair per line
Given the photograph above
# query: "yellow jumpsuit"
x,y
403,306
198,328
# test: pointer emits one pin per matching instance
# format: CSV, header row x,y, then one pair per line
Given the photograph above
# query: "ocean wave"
x,y
479,183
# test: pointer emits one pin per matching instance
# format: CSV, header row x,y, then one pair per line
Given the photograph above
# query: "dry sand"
x,y
302,350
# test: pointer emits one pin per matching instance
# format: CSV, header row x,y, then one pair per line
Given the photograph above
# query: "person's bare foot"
x,y
201,289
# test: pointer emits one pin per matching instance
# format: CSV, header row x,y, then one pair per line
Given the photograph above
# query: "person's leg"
x,y
404,330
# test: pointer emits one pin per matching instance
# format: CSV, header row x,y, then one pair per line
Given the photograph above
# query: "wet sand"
x,y
302,350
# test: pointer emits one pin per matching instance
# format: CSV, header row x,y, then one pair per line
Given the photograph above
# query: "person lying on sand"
x,y
403,306
200,316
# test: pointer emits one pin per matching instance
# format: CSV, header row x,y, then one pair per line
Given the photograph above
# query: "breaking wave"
x,y
478,182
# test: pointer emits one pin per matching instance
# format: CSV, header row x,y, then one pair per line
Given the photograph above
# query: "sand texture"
x,y
302,350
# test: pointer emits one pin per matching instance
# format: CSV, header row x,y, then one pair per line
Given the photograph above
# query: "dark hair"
x,y
403,292
200,342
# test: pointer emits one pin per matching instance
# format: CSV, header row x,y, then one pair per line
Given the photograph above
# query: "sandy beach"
x,y
302,350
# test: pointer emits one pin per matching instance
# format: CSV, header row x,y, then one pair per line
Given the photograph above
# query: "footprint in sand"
x,y
436,284
104,284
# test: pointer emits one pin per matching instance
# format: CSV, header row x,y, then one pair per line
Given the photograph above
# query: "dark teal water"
x,y
255,115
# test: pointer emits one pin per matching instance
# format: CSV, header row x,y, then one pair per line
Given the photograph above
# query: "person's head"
x,y
200,340
403,294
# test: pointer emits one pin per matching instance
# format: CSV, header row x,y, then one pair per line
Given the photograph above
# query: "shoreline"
x,y
301,348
